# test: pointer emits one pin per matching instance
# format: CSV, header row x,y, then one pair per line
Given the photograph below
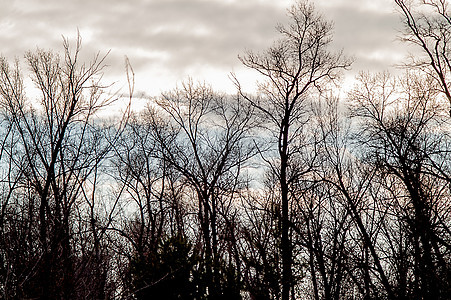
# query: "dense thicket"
x,y
292,193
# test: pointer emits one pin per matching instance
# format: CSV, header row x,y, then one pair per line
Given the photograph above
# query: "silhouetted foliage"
x,y
166,272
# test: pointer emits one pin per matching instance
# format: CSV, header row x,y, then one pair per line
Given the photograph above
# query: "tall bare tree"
x,y
296,65
57,149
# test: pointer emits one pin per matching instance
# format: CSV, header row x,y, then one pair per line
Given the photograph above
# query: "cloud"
x,y
165,40
154,34
370,35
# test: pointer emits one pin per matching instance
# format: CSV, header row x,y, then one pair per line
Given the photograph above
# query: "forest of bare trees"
x,y
289,193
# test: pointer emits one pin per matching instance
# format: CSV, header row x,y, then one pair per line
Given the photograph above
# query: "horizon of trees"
x,y
290,193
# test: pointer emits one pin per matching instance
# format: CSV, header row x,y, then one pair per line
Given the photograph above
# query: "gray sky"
x,y
169,40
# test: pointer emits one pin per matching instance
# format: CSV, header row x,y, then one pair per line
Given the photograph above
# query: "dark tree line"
x,y
291,193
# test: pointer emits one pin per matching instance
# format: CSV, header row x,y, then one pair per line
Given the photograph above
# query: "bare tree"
x,y
428,26
207,140
402,127
154,216
57,150
296,65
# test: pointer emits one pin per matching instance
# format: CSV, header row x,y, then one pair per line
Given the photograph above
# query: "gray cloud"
x,y
172,37
371,37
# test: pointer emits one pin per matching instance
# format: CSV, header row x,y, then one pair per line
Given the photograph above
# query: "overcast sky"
x,y
169,40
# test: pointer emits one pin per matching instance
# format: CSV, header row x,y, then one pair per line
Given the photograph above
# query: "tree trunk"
x,y
285,243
